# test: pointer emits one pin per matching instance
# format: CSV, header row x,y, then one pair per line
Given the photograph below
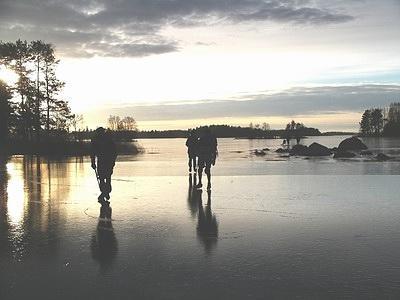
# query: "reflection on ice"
x,y
16,205
207,225
104,243
30,185
16,196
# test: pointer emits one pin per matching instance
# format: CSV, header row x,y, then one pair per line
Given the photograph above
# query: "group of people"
x,y
202,152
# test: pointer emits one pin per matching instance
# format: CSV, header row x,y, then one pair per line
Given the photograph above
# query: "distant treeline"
x,y
332,133
226,131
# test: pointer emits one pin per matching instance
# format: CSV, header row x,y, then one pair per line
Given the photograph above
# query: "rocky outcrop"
x,y
382,157
299,150
352,144
259,152
366,153
344,154
316,149
280,150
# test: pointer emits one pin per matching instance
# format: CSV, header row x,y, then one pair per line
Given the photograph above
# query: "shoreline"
x,y
62,148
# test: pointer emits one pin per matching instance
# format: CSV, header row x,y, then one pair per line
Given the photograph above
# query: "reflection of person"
x,y
191,144
104,244
192,199
103,148
207,155
207,226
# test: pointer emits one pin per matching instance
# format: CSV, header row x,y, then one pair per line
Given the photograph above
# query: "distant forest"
x,y
128,131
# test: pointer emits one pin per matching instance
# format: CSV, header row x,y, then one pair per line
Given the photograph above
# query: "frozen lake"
x,y
272,227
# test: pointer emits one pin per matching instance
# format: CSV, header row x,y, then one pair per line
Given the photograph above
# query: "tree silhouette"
x,y
37,86
365,123
5,111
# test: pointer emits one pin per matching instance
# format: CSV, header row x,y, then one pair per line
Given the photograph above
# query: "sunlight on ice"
x,y
16,196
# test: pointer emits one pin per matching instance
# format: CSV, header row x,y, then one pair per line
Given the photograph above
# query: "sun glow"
x,y
8,76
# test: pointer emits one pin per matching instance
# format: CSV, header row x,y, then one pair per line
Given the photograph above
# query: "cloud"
x,y
289,103
291,14
133,27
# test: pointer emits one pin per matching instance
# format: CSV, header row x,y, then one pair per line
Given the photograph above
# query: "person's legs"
x,y
105,170
194,158
102,184
107,187
200,172
190,162
208,172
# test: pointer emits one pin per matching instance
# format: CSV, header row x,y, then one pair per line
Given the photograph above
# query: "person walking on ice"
x,y
207,153
104,150
192,144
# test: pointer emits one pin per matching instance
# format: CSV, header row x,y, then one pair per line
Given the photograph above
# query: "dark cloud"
x,y
132,27
296,101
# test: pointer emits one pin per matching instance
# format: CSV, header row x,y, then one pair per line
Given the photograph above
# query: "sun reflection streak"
x,y
15,210
16,196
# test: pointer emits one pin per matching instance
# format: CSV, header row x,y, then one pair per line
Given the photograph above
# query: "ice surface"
x,y
310,229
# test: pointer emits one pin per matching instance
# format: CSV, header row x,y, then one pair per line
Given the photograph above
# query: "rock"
x,y
366,153
259,152
344,154
280,150
265,149
316,149
383,157
352,143
300,150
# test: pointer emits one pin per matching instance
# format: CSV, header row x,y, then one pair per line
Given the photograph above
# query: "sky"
x,y
177,64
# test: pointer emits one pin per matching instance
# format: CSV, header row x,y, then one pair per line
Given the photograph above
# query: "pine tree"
x,y
53,87
365,124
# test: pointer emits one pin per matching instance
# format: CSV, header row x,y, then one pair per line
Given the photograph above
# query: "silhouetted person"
x,y
207,225
103,148
104,244
207,153
192,145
